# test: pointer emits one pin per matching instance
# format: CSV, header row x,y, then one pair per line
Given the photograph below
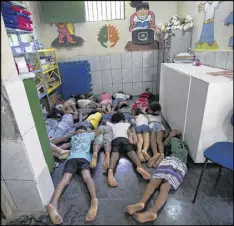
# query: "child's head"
x,y
81,129
155,107
176,133
117,117
56,113
123,106
137,111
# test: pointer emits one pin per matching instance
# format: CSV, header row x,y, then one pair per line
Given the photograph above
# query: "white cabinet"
x,y
198,104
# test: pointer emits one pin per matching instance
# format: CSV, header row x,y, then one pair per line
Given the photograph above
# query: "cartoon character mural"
x,y
66,36
108,36
227,22
142,27
207,40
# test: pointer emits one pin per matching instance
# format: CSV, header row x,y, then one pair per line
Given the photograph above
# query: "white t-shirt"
x,y
154,118
210,9
119,129
141,120
83,103
121,96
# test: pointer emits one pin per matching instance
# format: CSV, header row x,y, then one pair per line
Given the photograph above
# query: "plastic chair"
x,y
220,153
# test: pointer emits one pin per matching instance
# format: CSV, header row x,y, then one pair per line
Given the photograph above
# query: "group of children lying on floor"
x,y
117,128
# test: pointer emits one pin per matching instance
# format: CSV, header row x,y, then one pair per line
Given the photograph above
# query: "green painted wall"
x,y
34,103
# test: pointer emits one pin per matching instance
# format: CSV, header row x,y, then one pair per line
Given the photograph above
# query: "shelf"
x,y
11,30
51,69
21,54
41,95
46,50
51,89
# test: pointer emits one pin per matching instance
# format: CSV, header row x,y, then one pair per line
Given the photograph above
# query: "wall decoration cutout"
x,y
207,40
227,22
66,36
108,36
142,27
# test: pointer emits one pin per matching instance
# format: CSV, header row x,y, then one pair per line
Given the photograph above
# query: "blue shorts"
x,y
156,126
117,101
143,129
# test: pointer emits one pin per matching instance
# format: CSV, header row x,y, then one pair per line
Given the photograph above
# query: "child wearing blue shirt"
x,y
78,161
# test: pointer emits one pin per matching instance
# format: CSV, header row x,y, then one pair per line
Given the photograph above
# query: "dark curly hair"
x,y
117,117
155,106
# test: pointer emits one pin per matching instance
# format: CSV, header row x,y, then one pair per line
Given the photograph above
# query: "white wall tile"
x,y
97,89
96,77
34,151
95,64
116,61
26,195
117,88
126,60
137,75
127,88
155,76
127,74
210,58
146,85
117,76
136,88
148,59
148,73
221,59
15,163
20,105
154,87
105,62
108,88
137,59
106,77
229,65
155,58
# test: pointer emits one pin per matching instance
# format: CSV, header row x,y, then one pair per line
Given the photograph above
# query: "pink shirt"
x,y
105,96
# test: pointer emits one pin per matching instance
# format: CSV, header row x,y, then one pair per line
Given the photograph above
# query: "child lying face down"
x,y
169,175
120,143
106,102
119,99
78,160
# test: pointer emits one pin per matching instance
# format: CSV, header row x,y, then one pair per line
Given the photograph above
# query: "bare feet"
x,y
62,157
93,210
145,217
64,152
153,160
143,173
146,155
111,179
131,209
93,162
54,215
140,156
106,162
159,160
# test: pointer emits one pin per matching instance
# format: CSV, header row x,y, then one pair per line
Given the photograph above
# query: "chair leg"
x,y
195,196
219,174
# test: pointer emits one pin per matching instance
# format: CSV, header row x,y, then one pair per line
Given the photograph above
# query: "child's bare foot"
x,y
62,157
153,160
146,155
143,173
156,164
145,217
106,163
111,179
93,210
93,162
140,156
54,215
64,152
131,209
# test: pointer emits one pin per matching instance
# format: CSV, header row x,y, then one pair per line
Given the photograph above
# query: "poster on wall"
x,y
207,37
66,36
108,36
142,28
227,22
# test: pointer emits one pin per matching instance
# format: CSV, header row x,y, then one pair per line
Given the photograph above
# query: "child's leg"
x,y
134,136
58,151
146,144
73,106
113,161
139,147
106,162
92,191
96,149
161,157
153,184
151,214
52,207
153,139
159,141
68,108
104,107
136,162
108,107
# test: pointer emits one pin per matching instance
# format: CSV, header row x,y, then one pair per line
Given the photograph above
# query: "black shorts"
x,y
121,144
76,165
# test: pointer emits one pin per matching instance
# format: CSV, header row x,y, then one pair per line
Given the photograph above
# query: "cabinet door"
x,y
174,88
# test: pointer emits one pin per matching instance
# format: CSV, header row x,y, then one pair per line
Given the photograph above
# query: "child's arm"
x,y
97,132
167,141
